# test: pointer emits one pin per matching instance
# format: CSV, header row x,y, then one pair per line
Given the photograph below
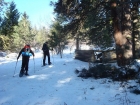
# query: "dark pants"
x,y
25,62
44,57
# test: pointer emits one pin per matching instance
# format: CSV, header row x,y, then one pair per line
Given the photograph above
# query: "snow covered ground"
x,y
58,84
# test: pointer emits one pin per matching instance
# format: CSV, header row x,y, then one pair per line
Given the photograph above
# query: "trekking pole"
x,y
15,68
34,64
42,59
52,57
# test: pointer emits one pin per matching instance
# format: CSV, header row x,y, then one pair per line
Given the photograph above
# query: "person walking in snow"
x,y
46,52
26,53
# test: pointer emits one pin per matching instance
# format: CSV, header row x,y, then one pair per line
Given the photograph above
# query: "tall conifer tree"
x,y
10,20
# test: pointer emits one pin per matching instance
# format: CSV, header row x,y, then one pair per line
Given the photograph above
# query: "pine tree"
x,y
10,20
3,5
103,19
57,39
23,32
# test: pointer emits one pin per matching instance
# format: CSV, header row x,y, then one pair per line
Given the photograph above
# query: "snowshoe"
x,y
21,73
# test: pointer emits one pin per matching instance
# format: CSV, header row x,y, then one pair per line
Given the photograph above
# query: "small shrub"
x,y
136,91
108,71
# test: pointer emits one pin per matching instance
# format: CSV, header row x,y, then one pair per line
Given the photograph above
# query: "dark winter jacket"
x,y
45,48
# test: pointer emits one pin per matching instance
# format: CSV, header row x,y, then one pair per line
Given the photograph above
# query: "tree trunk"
x,y
126,31
77,42
123,48
136,37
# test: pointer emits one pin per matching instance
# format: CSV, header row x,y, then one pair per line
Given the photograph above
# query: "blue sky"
x,y
39,11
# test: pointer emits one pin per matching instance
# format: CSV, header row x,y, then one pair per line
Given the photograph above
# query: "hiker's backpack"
x,y
27,51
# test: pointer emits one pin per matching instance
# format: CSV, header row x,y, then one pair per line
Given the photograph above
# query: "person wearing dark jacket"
x,y
26,53
46,52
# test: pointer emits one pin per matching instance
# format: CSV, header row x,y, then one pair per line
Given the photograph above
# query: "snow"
x,y
58,84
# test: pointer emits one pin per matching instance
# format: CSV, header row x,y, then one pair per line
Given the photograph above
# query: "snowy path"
x,y
57,84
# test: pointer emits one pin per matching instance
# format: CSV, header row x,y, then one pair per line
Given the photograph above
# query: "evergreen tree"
x,y
23,33
96,16
57,39
3,4
41,36
136,31
89,15
121,14
7,23
10,20
3,39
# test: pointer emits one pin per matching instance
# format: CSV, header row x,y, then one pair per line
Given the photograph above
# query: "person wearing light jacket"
x,y
26,53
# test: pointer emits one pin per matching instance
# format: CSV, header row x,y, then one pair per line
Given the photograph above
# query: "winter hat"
x,y
27,46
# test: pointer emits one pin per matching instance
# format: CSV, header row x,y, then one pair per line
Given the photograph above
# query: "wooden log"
x,y
89,55
85,55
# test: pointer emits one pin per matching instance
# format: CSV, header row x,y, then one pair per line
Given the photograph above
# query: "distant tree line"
x,y
16,30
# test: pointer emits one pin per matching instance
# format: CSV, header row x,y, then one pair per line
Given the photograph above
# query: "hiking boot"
x,y
49,63
21,73
44,64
